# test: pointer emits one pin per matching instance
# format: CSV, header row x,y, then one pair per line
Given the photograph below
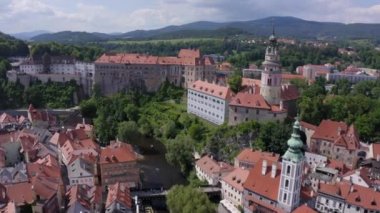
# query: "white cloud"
x,y
121,15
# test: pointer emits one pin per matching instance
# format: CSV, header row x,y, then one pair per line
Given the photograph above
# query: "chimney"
x,y
378,157
281,105
338,179
274,170
83,121
264,167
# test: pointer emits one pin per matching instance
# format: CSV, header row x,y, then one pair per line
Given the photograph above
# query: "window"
x,y
284,198
288,170
246,111
286,183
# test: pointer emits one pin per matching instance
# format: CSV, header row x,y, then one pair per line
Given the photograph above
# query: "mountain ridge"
x,y
286,26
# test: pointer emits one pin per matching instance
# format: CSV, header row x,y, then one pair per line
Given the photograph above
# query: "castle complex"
x,y
268,99
122,72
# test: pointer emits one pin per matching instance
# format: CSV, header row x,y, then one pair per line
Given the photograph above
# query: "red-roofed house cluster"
x,y
66,171
298,181
268,99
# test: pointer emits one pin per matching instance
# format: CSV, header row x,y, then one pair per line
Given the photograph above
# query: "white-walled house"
x,y
207,169
82,170
232,186
208,101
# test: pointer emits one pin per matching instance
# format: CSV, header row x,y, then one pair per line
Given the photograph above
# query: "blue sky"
x,y
127,15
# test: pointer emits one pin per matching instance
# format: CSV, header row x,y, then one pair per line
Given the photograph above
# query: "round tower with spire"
x,y
271,75
293,160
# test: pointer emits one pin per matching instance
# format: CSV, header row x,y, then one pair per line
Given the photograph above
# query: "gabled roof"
x,y
84,195
353,194
304,209
289,92
236,178
254,156
328,130
249,100
210,166
6,118
21,193
264,185
211,89
189,53
307,125
117,152
120,193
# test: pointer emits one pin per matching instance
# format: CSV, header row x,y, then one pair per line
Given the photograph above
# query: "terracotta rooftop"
x,y
304,209
308,125
211,89
85,195
117,153
59,138
254,156
6,118
189,53
289,92
37,115
210,166
264,185
250,82
21,193
338,165
364,173
353,194
119,192
249,100
328,130
236,178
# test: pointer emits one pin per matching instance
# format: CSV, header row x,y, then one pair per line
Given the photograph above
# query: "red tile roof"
x,y
59,138
211,166
249,100
189,53
6,118
117,153
353,194
21,193
338,165
212,89
85,195
338,133
236,178
254,156
328,130
304,209
37,115
289,92
119,192
264,185
308,125
364,173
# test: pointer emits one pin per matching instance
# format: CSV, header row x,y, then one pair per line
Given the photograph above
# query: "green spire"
x,y
295,145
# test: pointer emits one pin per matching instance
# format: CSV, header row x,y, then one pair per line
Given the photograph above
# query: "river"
x,y
156,171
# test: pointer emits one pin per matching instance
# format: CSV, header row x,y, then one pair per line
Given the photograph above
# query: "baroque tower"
x,y
271,75
291,172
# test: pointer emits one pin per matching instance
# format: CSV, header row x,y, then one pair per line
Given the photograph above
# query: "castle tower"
x,y
291,172
271,75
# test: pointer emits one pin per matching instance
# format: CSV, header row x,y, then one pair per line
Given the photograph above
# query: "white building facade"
x,y
208,101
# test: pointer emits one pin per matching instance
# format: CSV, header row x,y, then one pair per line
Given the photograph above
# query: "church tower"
x,y
289,192
271,75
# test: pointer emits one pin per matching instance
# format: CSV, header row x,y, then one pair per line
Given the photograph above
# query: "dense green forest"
x,y
10,46
88,53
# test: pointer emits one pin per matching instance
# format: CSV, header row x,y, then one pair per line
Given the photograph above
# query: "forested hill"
x,y
10,46
285,26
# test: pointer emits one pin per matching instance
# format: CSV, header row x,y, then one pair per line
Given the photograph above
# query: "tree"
x,y
179,152
342,87
132,112
185,199
169,129
127,130
235,81
273,137
88,108
196,131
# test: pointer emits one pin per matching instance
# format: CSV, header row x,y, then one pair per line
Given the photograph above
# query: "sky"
x,y
126,15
